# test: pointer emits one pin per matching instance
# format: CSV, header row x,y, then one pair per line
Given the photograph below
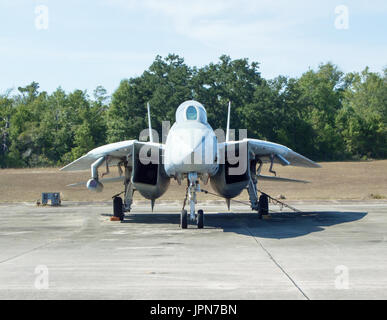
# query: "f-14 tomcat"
x,y
191,153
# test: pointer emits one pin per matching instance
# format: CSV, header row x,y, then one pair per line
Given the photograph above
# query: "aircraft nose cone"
x,y
190,149
194,148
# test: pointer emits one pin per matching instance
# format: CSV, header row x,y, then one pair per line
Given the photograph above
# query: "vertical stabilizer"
x,y
149,124
228,122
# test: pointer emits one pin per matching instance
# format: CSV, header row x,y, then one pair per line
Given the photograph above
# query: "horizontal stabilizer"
x,y
107,180
278,179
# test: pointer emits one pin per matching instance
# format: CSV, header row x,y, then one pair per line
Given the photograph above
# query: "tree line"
x,y
324,114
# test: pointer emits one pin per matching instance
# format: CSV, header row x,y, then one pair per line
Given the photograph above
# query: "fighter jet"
x,y
192,153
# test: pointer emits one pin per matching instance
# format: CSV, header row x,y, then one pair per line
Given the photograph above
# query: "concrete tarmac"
x,y
333,250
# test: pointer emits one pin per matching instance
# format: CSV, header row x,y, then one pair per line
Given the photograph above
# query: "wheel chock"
x,y
115,219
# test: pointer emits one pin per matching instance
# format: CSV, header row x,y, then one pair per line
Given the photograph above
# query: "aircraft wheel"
x,y
184,219
200,219
117,208
263,205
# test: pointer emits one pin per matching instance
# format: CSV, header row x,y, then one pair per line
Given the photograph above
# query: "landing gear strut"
x,y
129,190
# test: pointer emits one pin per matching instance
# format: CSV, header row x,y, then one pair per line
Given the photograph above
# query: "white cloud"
x,y
190,17
286,36
237,21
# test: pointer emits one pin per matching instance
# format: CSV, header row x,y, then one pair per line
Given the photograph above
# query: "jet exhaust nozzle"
x,y
94,185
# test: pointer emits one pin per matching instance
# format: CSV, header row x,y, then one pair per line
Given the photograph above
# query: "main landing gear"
x,y
118,211
121,206
184,219
193,187
263,206
260,204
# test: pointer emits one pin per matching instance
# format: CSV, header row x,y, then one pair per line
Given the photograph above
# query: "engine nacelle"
x,y
225,182
94,185
148,177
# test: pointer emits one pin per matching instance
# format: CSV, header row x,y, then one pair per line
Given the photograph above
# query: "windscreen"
x,y
192,114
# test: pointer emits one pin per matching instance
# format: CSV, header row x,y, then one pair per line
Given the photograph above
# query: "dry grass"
x,y
335,180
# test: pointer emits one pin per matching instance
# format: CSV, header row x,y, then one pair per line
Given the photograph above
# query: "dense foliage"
x,y
325,114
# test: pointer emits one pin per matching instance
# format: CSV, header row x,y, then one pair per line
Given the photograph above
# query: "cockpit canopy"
x,y
191,111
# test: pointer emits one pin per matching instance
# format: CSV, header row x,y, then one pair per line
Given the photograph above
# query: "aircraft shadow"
x,y
281,225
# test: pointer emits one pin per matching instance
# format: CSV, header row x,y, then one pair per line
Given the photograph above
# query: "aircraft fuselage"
x,y
191,144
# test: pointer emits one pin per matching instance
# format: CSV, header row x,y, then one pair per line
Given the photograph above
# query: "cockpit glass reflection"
x,y
192,114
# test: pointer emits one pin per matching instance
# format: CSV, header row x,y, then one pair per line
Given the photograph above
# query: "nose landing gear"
x,y
199,219
193,187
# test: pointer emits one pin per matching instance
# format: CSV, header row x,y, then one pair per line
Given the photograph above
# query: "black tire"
x,y
200,219
184,219
118,208
263,205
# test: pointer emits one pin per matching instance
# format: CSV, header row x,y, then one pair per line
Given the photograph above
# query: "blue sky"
x,y
100,42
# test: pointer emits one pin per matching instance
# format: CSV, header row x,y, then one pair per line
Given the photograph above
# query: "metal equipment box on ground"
x,y
53,196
